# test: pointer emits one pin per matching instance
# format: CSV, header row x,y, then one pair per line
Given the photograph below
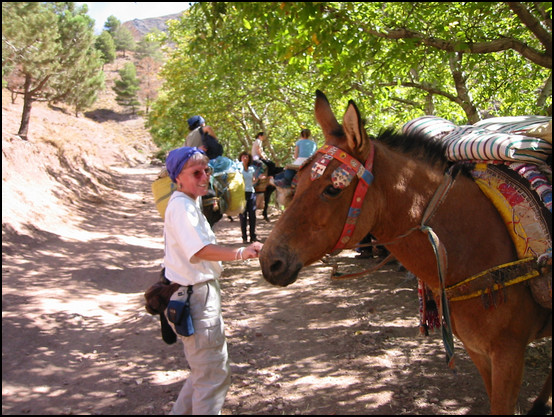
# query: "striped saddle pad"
x,y
511,159
521,138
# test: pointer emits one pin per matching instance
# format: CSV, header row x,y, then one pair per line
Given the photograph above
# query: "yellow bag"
x,y
230,185
162,189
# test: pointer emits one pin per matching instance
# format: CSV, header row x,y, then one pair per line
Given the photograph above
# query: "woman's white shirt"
x,y
186,231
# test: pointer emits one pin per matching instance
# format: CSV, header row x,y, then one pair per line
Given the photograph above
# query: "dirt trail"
x,y
77,340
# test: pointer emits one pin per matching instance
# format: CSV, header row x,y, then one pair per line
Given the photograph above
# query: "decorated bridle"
x,y
341,178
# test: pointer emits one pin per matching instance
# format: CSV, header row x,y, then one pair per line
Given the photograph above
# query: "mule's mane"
x,y
417,146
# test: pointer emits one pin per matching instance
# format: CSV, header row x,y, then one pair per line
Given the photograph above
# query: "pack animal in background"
x,y
226,183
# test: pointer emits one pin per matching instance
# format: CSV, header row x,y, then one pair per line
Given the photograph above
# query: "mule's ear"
x,y
356,136
324,116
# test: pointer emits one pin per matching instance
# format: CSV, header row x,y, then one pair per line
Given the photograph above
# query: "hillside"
x,y
140,27
66,158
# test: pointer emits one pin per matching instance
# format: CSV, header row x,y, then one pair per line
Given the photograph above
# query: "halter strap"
x,y
362,172
365,176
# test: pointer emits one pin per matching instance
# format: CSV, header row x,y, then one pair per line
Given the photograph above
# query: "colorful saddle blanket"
x,y
510,160
527,215
522,138
523,197
510,156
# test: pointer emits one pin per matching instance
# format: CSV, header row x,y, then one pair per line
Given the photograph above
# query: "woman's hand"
x,y
252,251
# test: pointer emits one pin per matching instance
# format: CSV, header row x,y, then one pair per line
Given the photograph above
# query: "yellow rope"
x,y
496,268
495,287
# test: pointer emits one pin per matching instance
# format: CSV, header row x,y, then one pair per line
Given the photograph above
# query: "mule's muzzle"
x,y
280,266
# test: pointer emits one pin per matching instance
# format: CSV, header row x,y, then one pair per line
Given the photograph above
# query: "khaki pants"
x,y
205,389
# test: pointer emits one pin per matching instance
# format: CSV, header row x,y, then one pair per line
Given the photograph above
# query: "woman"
x,y
203,137
192,259
249,213
303,149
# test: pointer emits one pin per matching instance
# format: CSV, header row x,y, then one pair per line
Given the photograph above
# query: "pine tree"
x,y
112,24
87,83
124,40
49,47
149,46
106,45
127,87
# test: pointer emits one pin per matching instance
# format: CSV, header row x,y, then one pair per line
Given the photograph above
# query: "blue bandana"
x,y
195,121
177,159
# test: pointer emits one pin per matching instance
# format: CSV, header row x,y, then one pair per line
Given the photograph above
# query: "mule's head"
x,y
313,222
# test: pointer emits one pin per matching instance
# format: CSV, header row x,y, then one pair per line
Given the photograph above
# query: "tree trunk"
x,y
544,94
27,103
461,88
429,106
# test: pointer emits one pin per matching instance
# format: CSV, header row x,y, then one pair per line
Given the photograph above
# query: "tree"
x,y
124,40
83,86
398,52
150,83
253,64
126,88
105,44
239,90
112,24
51,46
149,46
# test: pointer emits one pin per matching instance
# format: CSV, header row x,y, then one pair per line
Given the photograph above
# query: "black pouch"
x,y
178,313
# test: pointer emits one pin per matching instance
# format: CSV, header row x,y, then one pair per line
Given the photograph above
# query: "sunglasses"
x,y
197,173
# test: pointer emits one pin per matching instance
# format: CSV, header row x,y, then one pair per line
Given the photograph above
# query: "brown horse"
x,y
267,169
463,224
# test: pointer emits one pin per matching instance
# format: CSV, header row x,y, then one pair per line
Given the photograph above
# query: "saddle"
x,y
523,205
510,160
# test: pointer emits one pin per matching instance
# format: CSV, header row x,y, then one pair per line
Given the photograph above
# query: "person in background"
x,y
368,251
192,257
258,148
259,157
249,214
203,137
303,149
196,127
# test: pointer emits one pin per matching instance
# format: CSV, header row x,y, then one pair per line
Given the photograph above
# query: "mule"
x,y
264,186
401,177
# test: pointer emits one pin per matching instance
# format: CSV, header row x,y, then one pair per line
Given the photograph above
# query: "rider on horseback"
x,y
304,148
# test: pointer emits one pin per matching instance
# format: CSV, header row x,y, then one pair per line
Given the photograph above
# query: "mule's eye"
x,y
331,191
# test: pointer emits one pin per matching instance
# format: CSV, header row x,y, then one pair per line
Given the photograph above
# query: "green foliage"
x,y
232,86
254,66
149,46
106,45
126,88
29,33
124,40
83,85
112,24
